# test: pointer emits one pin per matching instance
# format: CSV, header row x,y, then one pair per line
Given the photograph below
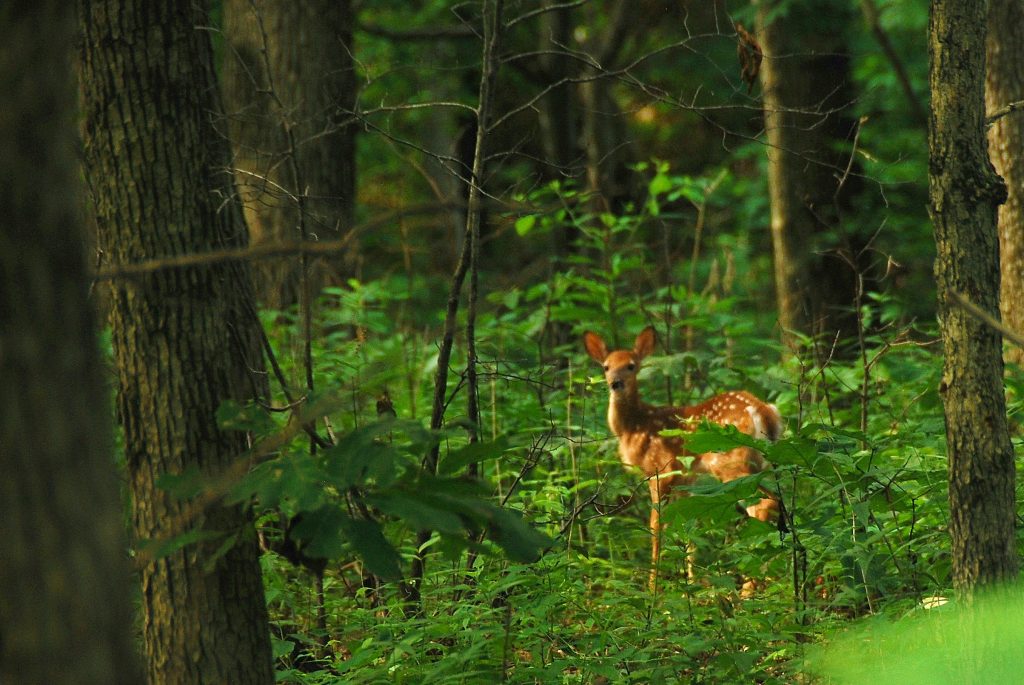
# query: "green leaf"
x,y
325,529
661,183
158,549
714,438
320,531
370,544
184,485
524,224
795,450
713,501
280,648
210,562
294,478
233,415
457,460
737,488
364,454
417,512
521,542
720,509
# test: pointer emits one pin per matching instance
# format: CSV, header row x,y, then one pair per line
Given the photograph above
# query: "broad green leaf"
x,y
795,450
715,438
520,540
184,485
320,531
711,509
369,542
713,501
325,529
418,513
457,460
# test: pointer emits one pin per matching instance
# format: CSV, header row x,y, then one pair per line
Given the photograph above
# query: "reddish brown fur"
x,y
637,426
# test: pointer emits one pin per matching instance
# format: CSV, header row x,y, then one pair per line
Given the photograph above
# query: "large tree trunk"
x,y
965,193
289,90
806,81
65,615
184,339
1004,84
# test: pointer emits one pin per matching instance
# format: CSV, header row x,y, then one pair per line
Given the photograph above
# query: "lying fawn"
x,y
637,425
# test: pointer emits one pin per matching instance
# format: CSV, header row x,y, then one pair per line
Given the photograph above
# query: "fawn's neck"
x,y
627,413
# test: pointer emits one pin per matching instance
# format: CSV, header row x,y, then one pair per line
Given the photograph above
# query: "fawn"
x,y
637,425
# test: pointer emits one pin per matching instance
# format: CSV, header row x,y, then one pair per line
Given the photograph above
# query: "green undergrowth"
x,y
537,558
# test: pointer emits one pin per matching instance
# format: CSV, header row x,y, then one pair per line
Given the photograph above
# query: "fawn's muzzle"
x,y
617,385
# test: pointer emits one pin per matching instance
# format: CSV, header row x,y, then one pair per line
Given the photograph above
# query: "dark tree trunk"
x,y
289,90
806,82
1004,84
606,142
65,615
184,339
965,193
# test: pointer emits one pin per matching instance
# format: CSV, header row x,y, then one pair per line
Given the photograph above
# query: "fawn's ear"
x,y
644,344
595,347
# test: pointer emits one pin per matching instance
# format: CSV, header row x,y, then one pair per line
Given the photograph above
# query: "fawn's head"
x,y
620,366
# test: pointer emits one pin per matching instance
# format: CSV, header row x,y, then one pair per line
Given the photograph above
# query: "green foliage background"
x,y
556,530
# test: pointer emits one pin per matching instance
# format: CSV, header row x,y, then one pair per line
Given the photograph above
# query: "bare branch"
x,y
261,250
871,16
1003,111
981,315
424,33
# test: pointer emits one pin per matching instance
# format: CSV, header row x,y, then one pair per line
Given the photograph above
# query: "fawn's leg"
x,y
655,545
660,487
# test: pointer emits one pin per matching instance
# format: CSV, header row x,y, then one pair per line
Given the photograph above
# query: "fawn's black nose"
x,y
617,385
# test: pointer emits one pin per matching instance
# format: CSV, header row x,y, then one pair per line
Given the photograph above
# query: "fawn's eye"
x,y
631,366
605,367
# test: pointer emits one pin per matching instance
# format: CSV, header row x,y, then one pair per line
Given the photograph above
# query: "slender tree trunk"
x,y
806,81
1004,84
557,114
289,90
184,339
493,20
965,193
65,615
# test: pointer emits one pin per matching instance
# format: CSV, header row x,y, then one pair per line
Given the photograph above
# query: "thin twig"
x,y
986,318
262,250
1003,111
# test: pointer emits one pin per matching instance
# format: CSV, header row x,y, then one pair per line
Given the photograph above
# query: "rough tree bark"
x,y
806,83
65,614
289,90
965,193
184,339
1004,84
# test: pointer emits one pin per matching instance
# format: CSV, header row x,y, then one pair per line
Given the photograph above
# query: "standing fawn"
x,y
637,425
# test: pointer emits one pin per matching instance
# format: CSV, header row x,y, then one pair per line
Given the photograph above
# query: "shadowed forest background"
x,y
294,305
